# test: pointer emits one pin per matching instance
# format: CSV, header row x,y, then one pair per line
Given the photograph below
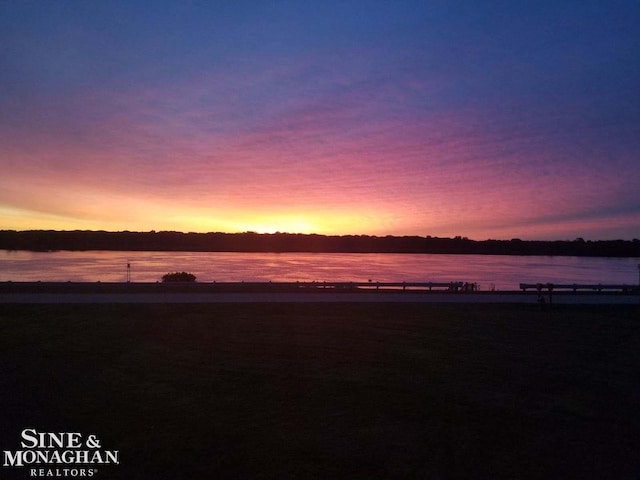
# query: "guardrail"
x,y
575,287
210,287
449,286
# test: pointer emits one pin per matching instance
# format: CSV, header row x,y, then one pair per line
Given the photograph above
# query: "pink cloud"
x,y
213,146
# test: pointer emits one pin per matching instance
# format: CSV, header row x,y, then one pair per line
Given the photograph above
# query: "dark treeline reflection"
x,y
44,240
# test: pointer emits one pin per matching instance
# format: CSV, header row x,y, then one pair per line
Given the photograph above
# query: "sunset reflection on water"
x,y
489,271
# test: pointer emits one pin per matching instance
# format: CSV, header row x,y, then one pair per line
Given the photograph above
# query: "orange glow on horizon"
x,y
137,215
304,223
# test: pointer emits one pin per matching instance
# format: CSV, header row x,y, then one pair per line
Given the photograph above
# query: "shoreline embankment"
x,y
284,292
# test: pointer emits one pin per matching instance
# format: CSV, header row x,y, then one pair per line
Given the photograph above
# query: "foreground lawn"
x,y
329,390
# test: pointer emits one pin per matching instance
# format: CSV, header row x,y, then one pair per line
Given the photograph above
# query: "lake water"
x,y
489,271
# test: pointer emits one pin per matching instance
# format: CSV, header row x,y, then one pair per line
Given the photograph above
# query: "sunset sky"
x,y
486,119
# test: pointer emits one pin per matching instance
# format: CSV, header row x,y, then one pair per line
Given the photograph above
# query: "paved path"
x,y
413,297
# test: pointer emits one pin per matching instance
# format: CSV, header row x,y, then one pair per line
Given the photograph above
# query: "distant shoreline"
x,y
49,240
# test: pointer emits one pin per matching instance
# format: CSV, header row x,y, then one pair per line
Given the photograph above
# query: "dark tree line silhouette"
x,y
46,240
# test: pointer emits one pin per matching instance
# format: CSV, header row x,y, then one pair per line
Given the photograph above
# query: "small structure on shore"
x,y
178,277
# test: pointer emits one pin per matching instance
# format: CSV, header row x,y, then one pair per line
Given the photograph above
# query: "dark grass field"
x,y
279,391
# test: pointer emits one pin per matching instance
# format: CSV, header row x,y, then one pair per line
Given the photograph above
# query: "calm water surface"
x,y
489,271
